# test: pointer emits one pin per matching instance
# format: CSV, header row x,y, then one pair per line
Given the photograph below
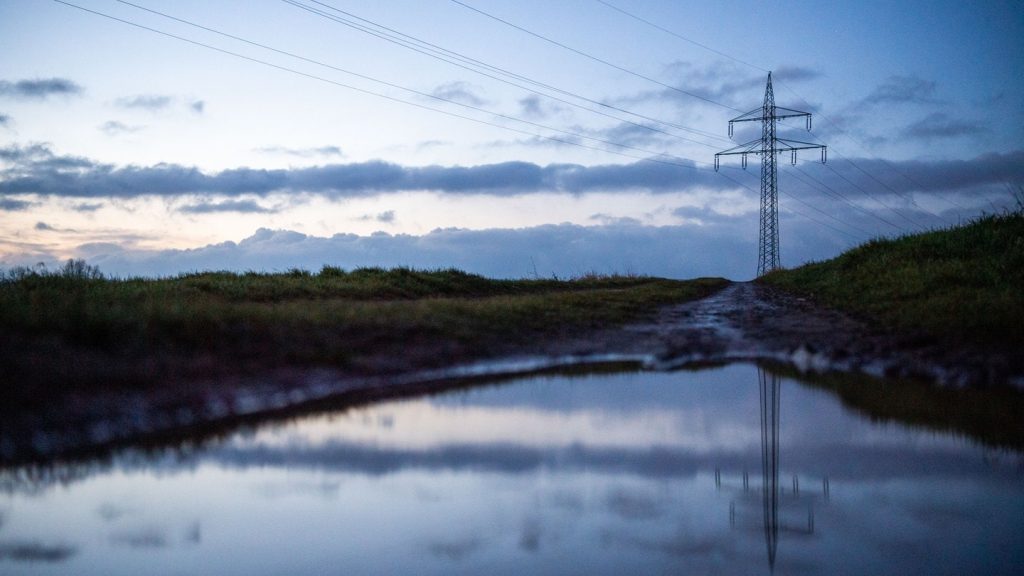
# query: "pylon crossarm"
x,y
747,148
796,145
783,112
755,114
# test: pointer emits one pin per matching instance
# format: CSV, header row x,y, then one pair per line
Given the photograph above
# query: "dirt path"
x,y
748,321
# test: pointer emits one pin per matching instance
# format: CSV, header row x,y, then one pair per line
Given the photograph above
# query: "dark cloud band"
x,y
36,170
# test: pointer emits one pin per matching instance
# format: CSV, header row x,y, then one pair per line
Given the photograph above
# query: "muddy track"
x,y
749,321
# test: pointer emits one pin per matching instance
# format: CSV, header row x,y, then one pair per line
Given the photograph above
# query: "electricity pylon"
x,y
768,146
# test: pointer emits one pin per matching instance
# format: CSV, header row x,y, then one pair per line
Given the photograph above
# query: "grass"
x,y
78,328
959,285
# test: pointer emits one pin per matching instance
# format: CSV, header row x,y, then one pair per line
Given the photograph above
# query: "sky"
x,y
507,138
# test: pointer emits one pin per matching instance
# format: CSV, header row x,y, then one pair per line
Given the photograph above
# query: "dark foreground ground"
x,y
976,391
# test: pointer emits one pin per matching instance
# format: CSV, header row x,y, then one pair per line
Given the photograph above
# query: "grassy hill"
x,y
959,285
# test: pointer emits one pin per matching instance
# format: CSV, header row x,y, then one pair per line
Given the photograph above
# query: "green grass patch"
x,y
963,284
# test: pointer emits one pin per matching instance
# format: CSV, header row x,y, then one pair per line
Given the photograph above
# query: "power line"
x,y
680,36
445,52
875,198
385,83
811,218
592,57
472,62
825,189
850,161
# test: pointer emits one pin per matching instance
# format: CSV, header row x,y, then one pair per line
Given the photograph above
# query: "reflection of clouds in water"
x,y
632,504
36,552
703,551
449,506
193,533
566,500
155,536
529,536
323,488
455,550
140,537
111,512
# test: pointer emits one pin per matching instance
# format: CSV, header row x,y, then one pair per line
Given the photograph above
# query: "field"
x,y
74,328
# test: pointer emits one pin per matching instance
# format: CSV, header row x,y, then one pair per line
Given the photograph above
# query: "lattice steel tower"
x,y
768,147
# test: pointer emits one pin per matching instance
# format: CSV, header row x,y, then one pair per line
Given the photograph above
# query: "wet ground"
x,y
752,322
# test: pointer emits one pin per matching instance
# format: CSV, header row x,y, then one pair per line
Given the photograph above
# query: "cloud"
x,y
796,74
725,84
902,90
13,205
115,128
536,142
87,207
239,206
633,134
39,89
426,144
324,151
44,226
537,108
609,220
564,249
940,126
531,107
35,169
151,102
5,120
160,102
386,217
459,91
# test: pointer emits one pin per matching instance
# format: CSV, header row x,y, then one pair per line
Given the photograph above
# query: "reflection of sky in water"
x,y
598,474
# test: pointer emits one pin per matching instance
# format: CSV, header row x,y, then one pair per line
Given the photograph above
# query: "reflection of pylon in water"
x,y
769,391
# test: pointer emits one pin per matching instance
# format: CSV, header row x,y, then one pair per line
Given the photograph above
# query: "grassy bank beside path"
x,y
963,285
75,328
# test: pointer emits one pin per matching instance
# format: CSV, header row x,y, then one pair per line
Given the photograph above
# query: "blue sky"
x,y
580,141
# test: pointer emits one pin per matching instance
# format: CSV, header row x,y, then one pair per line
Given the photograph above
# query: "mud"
x,y
752,322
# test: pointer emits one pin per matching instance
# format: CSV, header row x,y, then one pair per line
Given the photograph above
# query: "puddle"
x,y
727,470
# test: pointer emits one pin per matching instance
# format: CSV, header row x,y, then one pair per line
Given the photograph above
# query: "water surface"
x,y
730,470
